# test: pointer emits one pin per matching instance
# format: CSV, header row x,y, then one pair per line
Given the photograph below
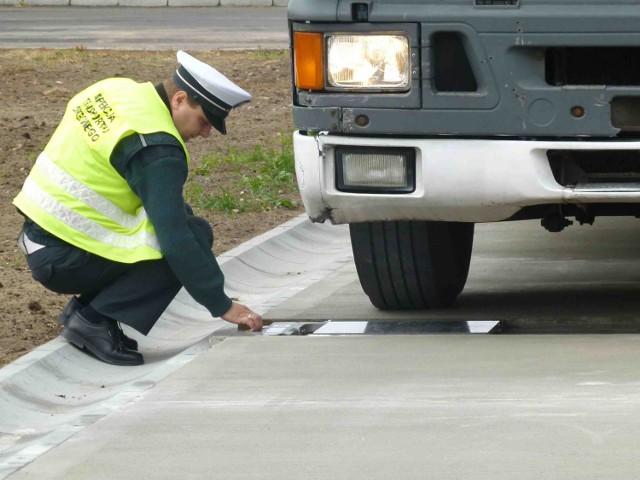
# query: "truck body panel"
x,y
487,78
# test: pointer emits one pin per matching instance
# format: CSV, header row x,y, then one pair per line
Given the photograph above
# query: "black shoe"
x,y
74,304
101,339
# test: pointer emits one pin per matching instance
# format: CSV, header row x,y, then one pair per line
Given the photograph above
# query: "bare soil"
x,y
35,87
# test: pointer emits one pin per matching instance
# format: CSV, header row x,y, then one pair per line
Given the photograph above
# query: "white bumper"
x,y
456,180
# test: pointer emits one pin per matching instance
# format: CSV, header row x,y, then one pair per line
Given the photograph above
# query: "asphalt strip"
x,y
56,390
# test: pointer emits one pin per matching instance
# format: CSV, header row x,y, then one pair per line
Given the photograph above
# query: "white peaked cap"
x,y
214,92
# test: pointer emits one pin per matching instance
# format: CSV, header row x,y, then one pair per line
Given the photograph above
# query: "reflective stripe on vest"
x,y
95,201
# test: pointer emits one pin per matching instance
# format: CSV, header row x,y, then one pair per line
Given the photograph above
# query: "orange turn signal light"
x,y
308,60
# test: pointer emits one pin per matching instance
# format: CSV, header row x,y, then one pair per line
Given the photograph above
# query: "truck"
x,y
417,119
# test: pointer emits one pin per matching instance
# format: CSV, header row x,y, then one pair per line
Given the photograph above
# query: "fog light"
x,y
375,170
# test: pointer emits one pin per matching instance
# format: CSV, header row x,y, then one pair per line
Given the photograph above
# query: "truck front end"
x,y
432,116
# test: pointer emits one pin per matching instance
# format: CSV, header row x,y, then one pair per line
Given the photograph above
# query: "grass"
x,y
260,179
265,54
19,262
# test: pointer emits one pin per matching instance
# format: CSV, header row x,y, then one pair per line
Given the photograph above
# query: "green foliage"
x,y
19,262
261,179
265,55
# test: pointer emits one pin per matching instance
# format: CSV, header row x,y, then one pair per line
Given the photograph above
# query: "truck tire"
x,y
412,265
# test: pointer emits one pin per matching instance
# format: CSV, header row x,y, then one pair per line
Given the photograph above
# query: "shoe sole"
x,y
79,342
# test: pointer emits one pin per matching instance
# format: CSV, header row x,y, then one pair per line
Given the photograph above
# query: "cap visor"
x,y
216,122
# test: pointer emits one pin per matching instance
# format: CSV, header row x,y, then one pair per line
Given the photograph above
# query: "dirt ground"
x,y
35,87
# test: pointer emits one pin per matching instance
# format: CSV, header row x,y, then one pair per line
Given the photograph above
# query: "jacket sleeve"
x,y
156,172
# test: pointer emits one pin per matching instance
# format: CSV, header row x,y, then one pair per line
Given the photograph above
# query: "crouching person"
x,y
104,214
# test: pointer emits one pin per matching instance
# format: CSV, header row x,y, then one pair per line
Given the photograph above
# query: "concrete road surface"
x,y
133,28
505,406
356,408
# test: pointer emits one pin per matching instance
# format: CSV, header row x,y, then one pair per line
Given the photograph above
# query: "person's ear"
x,y
178,99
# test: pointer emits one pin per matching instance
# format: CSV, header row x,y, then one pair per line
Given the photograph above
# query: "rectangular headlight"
x,y
375,170
377,62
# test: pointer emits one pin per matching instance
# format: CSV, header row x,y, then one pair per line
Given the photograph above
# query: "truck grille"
x,y
616,66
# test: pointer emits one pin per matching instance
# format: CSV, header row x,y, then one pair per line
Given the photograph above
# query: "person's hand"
x,y
241,315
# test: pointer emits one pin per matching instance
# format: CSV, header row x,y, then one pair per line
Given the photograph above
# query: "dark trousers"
x,y
135,294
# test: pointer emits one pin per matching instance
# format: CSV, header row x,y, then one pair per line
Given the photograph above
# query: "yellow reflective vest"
x,y
74,192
